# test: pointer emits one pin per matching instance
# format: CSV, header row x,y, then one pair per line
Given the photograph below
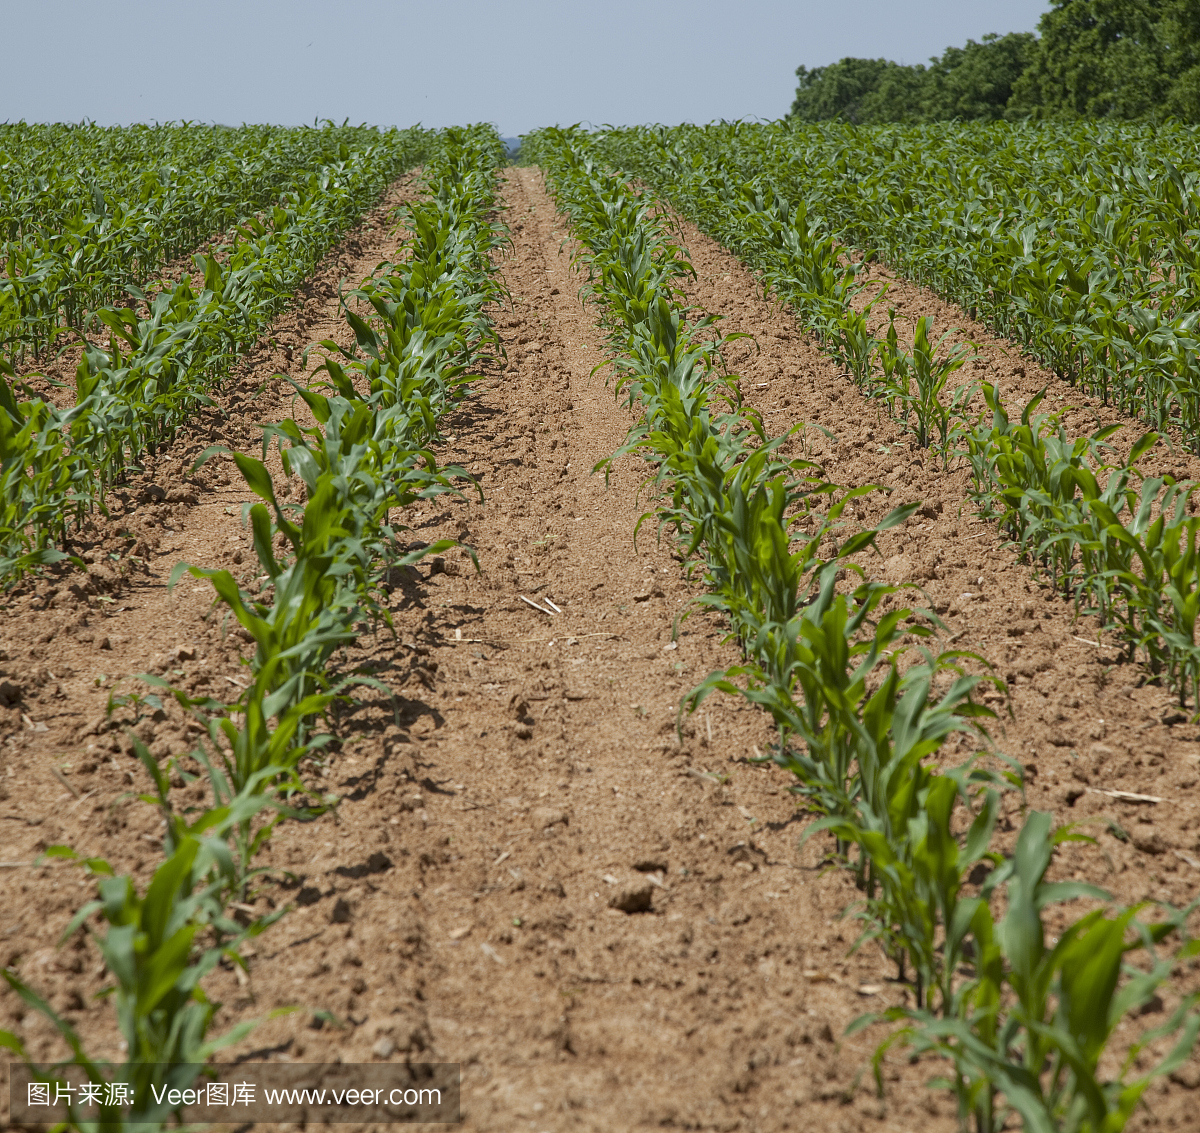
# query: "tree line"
x,y
1119,59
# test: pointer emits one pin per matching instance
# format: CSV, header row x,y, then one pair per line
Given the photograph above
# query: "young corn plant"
x,y
158,947
1028,1029
852,343
917,382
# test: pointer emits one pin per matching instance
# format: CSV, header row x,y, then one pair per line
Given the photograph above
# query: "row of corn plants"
x,y
1076,240
1120,544
323,565
787,245
1123,546
56,464
88,212
1025,1021
324,561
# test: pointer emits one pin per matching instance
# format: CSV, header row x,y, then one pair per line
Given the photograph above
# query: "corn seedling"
x,y
158,947
1026,1030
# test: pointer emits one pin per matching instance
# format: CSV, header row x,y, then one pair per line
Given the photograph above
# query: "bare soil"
x,y
525,787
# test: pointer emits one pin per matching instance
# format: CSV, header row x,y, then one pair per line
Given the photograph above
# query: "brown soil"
x,y
464,901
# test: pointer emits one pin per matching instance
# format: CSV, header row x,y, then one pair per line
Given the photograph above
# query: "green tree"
x,y
975,81
1180,32
1127,59
900,96
837,91
1095,59
1121,59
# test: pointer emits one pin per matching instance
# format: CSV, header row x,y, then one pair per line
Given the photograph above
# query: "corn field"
x,y
857,727
87,213
368,454
164,354
1036,997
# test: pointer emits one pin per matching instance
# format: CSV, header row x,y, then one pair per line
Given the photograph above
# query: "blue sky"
x,y
520,64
